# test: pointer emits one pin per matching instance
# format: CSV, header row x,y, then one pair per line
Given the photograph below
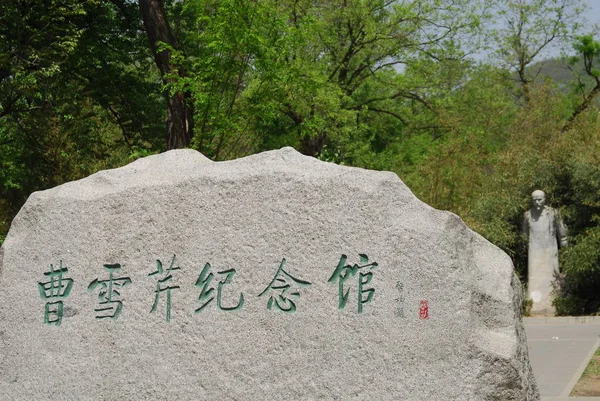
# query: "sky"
x,y
593,14
591,18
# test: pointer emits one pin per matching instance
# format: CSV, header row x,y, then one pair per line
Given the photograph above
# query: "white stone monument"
x,y
272,277
545,230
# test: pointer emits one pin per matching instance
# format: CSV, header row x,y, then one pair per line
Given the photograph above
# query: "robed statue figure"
x,y
546,232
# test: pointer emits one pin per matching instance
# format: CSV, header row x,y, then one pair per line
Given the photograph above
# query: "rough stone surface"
x,y
248,215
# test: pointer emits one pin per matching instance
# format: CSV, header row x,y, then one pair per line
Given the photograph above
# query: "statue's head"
x,y
538,200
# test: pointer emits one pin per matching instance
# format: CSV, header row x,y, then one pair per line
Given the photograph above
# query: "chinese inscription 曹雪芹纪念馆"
x,y
343,272
54,291
110,305
283,290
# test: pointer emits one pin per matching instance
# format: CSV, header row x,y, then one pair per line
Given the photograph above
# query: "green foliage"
x,y
457,163
269,74
581,265
593,368
527,30
581,261
527,305
538,155
587,47
75,94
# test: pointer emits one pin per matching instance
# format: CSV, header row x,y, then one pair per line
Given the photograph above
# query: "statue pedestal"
x,y
542,270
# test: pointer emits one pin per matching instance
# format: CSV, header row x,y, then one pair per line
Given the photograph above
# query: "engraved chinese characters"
x,y
281,281
160,285
207,294
343,272
55,290
283,290
109,291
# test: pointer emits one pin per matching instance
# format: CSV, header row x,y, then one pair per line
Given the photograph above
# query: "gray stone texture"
x,y
249,214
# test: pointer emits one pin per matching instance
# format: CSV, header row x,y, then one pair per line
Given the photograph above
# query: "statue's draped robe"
x,y
545,233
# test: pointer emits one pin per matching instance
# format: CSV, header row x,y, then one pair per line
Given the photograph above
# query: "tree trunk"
x,y
582,107
179,107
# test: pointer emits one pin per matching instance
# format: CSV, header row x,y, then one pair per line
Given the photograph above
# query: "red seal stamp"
x,y
423,310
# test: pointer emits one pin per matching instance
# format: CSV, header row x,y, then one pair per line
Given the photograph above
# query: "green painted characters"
x,y
110,306
55,290
344,271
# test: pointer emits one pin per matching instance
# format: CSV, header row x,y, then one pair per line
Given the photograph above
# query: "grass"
x,y
593,368
589,383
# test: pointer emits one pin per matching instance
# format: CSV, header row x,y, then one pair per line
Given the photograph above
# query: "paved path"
x,y
560,349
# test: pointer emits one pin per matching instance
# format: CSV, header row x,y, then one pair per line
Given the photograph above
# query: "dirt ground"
x,y
589,383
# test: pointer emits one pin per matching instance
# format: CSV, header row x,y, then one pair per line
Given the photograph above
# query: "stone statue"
x,y
546,232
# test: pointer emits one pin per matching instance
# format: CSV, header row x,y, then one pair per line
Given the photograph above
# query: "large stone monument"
x,y
272,277
545,230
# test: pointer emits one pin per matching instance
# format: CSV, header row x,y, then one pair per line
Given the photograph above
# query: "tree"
x,y
529,29
162,44
588,50
314,74
75,94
